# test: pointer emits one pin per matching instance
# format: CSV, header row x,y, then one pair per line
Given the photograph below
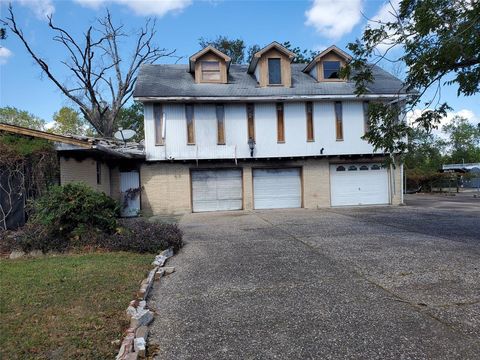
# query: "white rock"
x,y
15,254
169,270
168,253
141,318
131,311
139,346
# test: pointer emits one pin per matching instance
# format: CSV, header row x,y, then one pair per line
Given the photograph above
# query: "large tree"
x,y
14,116
68,121
463,142
132,118
439,42
101,79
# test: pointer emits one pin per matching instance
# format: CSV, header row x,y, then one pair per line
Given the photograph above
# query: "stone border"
x,y
134,343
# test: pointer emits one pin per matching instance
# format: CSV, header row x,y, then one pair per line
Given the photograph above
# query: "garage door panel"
x,y
217,190
358,187
277,188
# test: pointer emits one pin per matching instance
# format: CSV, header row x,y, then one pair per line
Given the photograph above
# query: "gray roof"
x,y
159,80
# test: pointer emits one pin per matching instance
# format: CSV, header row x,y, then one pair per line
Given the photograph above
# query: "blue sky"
x,y
307,24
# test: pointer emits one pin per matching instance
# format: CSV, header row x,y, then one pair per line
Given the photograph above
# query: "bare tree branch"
x,y
104,80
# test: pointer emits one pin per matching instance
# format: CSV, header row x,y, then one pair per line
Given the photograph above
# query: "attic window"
x,y
210,70
331,69
274,74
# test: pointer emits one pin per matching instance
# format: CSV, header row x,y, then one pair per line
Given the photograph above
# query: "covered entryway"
x,y
217,190
277,188
358,184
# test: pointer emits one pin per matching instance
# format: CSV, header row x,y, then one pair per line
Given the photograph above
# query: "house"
x,y
105,165
270,134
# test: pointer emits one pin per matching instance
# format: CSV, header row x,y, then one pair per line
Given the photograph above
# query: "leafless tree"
x,y
101,80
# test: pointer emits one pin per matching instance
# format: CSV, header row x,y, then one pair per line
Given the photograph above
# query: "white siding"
x,y
265,132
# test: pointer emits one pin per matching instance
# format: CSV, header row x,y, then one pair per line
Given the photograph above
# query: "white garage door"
x,y
277,188
358,184
216,190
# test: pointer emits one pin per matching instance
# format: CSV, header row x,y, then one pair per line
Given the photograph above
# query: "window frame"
x,y
207,71
158,124
220,123
338,108
279,71
250,112
280,109
324,62
309,121
190,123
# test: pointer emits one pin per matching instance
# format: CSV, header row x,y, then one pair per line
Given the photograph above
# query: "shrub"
x,y
66,210
145,237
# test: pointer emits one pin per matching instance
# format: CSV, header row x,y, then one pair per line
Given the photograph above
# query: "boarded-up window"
x,y
190,124
220,111
280,124
251,121
158,120
339,120
210,71
274,72
366,125
309,114
99,173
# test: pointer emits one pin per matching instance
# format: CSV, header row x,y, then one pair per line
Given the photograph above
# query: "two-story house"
x,y
270,134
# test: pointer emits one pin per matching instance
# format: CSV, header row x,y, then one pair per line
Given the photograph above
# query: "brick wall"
x,y
72,170
167,188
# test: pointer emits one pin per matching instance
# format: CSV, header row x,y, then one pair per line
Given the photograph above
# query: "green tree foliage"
x,y
240,54
463,142
132,118
440,43
14,116
301,56
235,48
425,151
69,122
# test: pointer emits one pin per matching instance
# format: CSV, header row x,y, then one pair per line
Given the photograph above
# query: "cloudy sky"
x,y
307,24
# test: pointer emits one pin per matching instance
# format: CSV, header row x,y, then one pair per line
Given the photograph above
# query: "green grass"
x,y
68,306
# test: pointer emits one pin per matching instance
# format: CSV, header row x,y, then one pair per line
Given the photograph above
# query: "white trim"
x,y
267,98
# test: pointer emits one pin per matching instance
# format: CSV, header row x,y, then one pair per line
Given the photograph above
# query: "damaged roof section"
x,y
63,143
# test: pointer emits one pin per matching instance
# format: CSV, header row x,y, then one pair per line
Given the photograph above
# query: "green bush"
x,y
66,210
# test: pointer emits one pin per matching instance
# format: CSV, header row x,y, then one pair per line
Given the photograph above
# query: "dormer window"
x,y
274,72
271,66
209,66
326,65
210,70
331,69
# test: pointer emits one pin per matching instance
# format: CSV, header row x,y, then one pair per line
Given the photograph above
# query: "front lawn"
x,y
67,306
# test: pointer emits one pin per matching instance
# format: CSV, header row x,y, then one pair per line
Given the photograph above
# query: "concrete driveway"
x,y
359,283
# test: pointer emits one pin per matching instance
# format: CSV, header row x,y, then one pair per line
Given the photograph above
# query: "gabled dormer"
x,y
326,65
272,66
210,65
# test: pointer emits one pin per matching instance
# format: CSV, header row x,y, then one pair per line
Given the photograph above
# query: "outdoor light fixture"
x,y
251,145
321,151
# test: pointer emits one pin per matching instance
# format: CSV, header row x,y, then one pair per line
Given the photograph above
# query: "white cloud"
x,y
333,19
386,13
466,113
4,55
142,7
41,8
